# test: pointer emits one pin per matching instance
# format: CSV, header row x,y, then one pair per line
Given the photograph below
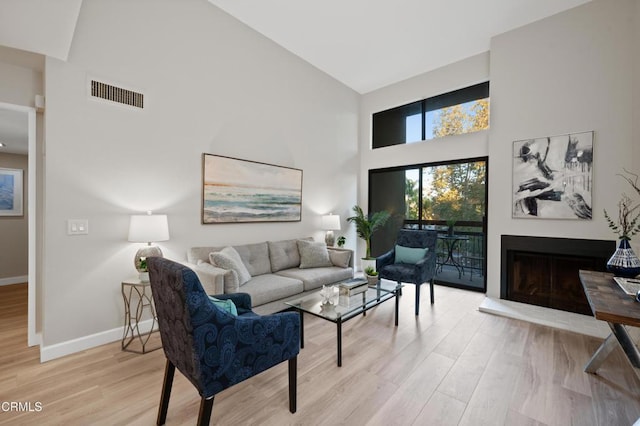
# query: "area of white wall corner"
x,y
211,85
568,73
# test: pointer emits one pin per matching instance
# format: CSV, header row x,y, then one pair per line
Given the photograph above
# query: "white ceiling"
x,y
365,44
368,44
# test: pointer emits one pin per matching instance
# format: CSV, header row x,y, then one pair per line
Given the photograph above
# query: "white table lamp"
x,y
148,229
330,223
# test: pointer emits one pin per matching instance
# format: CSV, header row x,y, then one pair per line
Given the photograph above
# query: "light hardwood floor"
x,y
453,365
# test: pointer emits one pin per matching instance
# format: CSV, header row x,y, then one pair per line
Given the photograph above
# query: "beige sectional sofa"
x,y
277,270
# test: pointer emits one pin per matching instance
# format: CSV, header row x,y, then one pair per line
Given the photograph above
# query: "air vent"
x,y
116,94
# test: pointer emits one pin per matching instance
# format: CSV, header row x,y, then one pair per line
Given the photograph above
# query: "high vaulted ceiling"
x,y
365,44
368,44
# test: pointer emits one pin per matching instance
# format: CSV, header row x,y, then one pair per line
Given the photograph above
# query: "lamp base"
x,y
329,239
147,251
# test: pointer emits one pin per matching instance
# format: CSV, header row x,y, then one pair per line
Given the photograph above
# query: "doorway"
x,y
18,127
448,197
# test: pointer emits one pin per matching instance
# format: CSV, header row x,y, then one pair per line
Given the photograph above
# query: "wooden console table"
x,y
609,303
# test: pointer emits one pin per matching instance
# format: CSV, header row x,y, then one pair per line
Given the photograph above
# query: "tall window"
x,y
453,113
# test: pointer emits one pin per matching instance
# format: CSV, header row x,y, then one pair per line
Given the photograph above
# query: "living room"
x,y
213,85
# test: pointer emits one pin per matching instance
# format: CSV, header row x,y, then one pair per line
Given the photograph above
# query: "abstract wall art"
x,y
553,176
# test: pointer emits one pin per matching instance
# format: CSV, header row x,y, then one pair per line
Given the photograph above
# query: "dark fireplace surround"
x,y
543,271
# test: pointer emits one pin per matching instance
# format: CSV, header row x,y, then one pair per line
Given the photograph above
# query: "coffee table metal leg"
x,y
339,324
397,306
301,330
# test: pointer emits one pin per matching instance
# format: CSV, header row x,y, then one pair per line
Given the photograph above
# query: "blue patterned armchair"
x,y
211,347
416,273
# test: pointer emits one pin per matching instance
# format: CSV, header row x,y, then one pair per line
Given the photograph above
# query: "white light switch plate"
x,y
77,226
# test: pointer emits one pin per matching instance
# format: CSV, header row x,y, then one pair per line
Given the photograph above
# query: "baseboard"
x,y
47,353
14,280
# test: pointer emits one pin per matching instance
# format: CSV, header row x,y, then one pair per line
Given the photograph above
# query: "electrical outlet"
x,y
77,226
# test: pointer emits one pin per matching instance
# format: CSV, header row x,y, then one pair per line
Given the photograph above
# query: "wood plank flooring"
x,y
453,365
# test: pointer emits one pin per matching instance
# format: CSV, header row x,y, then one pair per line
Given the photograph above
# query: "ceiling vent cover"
x,y
116,94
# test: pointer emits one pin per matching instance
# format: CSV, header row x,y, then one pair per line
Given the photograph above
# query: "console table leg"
x,y
601,354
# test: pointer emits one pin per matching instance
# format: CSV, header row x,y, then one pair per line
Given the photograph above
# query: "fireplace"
x,y
544,271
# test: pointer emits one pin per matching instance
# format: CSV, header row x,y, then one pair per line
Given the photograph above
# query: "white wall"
x,y
211,85
568,73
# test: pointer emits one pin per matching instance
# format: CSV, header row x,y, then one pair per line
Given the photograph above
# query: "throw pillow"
x,y
228,258
340,258
226,305
313,254
409,254
283,255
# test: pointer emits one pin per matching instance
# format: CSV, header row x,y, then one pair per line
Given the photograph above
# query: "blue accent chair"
x,y
211,347
419,273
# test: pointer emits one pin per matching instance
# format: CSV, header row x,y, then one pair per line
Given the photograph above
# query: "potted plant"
x,y
372,275
366,225
450,224
341,241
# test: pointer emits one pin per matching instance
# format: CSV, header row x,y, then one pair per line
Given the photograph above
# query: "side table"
x,y
137,297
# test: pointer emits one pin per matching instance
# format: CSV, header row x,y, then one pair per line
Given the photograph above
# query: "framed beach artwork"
x,y
553,177
10,192
240,191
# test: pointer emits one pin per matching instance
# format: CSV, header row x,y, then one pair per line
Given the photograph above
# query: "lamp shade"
x,y
331,222
148,228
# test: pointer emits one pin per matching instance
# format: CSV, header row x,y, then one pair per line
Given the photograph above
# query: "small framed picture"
x,y
11,192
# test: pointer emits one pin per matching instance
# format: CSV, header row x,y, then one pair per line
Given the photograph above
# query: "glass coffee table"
x,y
345,309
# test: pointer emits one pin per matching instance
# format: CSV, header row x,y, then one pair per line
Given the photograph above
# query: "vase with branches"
x,y
624,262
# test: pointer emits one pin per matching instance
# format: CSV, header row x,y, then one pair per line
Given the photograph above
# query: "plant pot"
x,y
366,262
373,280
624,262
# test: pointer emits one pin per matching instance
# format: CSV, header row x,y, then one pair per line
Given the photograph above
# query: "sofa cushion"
x,y
313,254
266,288
317,277
255,258
228,258
340,258
283,255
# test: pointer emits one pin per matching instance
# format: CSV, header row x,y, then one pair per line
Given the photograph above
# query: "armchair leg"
x,y
293,383
204,416
431,288
399,291
169,371
418,299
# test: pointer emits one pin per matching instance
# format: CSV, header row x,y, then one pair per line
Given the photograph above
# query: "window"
x,y
436,196
454,113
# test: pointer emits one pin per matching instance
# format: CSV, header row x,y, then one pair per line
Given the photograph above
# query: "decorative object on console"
x,y
236,191
553,176
11,192
624,262
341,241
330,223
148,229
